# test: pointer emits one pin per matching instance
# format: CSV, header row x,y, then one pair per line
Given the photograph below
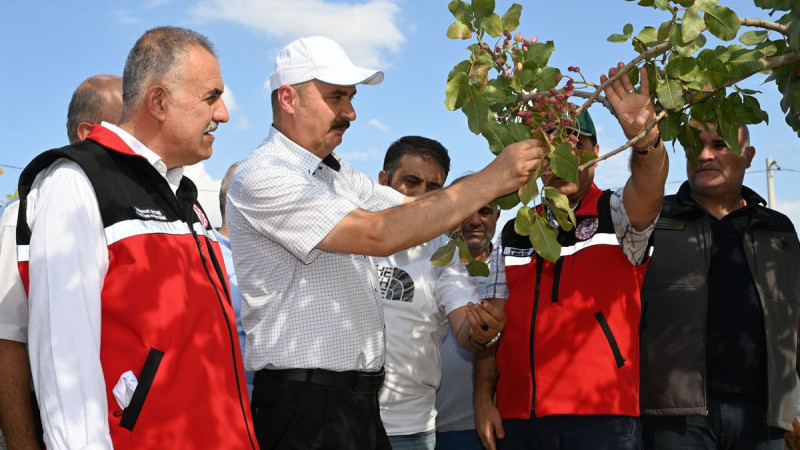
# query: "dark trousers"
x,y
596,432
734,422
302,415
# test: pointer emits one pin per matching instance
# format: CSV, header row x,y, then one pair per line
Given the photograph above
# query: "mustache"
x,y
212,126
341,123
468,228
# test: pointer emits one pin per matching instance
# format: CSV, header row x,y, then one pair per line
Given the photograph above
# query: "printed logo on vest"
x,y
587,228
201,216
518,252
396,284
149,213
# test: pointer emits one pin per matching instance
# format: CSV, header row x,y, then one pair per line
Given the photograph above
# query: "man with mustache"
x,y
421,303
132,335
97,99
304,225
566,370
720,311
455,418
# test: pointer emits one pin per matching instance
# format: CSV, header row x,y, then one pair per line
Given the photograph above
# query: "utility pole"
x,y
770,185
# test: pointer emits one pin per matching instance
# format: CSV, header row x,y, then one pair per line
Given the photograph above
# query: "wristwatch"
x,y
650,147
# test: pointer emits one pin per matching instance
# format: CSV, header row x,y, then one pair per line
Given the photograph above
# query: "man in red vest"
x,y
566,370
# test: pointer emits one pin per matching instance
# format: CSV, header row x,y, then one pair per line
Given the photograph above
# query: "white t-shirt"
x,y
13,301
417,298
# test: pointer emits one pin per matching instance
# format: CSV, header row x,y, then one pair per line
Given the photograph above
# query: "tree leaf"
x,y
506,202
670,94
463,251
722,22
670,126
482,8
497,135
478,269
680,66
691,143
752,104
744,63
493,25
523,221
728,127
521,79
538,54
717,73
444,254
529,191
753,37
564,163
456,91
704,5
476,109
627,30
511,18
461,11
665,30
648,37
478,75
617,38
543,238
560,206
458,30
691,25
544,78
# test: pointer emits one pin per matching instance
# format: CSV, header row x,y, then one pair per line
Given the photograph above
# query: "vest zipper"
x,y
538,260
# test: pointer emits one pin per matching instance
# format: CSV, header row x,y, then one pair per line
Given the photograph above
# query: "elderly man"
x,y
97,99
132,335
720,311
568,360
303,225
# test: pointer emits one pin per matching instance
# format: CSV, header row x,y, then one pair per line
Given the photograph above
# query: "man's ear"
x,y
596,149
286,97
383,178
157,101
749,154
83,130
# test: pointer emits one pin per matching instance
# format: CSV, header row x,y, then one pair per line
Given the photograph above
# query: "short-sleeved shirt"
x,y
418,297
13,301
304,307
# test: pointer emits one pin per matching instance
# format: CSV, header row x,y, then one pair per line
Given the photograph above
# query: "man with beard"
x,y
304,225
422,302
132,335
566,370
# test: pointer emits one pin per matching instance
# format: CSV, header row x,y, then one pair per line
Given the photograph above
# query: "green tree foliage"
x,y
509,93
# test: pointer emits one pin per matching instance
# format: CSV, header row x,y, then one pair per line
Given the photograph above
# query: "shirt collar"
x,y
298,155
173,176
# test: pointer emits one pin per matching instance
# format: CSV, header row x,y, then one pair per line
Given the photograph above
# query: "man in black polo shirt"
x,y
719,311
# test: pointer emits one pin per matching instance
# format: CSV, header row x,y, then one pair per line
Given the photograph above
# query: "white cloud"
x,y
364,155
207,191
126,17
227,97
155,3
364,30
242,123
375,123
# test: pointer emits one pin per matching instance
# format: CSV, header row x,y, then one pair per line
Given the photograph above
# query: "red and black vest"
x,y
571,341
166,311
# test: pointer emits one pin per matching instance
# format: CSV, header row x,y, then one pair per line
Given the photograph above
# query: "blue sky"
x,y
49,47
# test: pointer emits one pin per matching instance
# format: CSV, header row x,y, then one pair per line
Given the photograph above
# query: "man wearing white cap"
x,y
303,226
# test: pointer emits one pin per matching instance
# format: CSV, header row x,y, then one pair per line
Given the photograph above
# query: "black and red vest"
x,y
166,312
571,341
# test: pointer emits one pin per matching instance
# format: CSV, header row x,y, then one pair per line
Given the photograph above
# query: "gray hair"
x,y
94,101
154,56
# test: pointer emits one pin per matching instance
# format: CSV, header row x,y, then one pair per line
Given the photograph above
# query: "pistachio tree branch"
x,y
662,47
767,25
628,144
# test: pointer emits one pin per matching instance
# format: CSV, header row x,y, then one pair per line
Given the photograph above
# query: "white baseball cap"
x,y
319,58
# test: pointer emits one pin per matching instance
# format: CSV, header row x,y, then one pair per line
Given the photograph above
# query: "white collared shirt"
x,y
68,264
303,307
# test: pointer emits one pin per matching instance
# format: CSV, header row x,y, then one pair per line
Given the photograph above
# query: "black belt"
x,y
352,379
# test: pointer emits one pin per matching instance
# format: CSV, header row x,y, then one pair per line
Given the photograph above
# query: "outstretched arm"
x,y
644,189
